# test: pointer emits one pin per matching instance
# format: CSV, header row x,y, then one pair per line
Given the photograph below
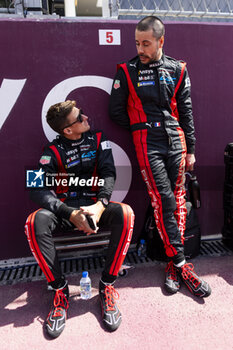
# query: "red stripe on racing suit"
x,y
135,108
125,239
61,169
30,233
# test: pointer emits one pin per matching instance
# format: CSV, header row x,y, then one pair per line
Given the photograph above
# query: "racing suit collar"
x,y
135,61
156,63
151,64
72,143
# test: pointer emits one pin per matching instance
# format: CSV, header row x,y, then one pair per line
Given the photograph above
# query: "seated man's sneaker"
x,y
110,313
172,281
56,319
194,283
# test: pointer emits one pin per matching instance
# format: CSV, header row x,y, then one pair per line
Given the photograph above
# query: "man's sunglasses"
x,y
78,120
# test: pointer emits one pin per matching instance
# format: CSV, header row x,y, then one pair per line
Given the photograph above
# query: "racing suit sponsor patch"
x,y
145,71
187,83
84,147
167,79
147,77
117,84
106,145
146,83
72,164
156,64
45,160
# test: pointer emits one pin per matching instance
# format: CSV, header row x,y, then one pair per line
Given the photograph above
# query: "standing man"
x,y
77,156
151,97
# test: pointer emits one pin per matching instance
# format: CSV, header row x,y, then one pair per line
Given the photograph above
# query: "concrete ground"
x,y
152,319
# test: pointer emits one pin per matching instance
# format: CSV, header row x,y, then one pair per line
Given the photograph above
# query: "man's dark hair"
x,y
154,23
56,115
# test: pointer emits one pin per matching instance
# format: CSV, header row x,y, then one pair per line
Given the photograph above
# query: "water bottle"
x,y
142,248
194,192
85,286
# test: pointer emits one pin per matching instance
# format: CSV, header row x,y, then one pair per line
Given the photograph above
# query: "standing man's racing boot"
x,y
172,281
195,284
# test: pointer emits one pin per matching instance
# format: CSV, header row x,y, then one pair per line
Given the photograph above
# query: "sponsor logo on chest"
x,y
146,77
166,77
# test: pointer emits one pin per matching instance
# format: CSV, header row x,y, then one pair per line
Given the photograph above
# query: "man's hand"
x,y
78,218
190,160
95,211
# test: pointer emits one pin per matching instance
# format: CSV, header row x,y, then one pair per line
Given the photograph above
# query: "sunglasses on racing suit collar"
x,y
78,120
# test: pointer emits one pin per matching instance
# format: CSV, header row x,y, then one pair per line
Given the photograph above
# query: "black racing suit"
x,y
154,102
75,165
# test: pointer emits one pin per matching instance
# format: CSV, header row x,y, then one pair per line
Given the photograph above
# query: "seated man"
x,y
78,154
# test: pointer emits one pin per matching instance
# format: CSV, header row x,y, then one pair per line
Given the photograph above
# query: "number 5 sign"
x,y
109,37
